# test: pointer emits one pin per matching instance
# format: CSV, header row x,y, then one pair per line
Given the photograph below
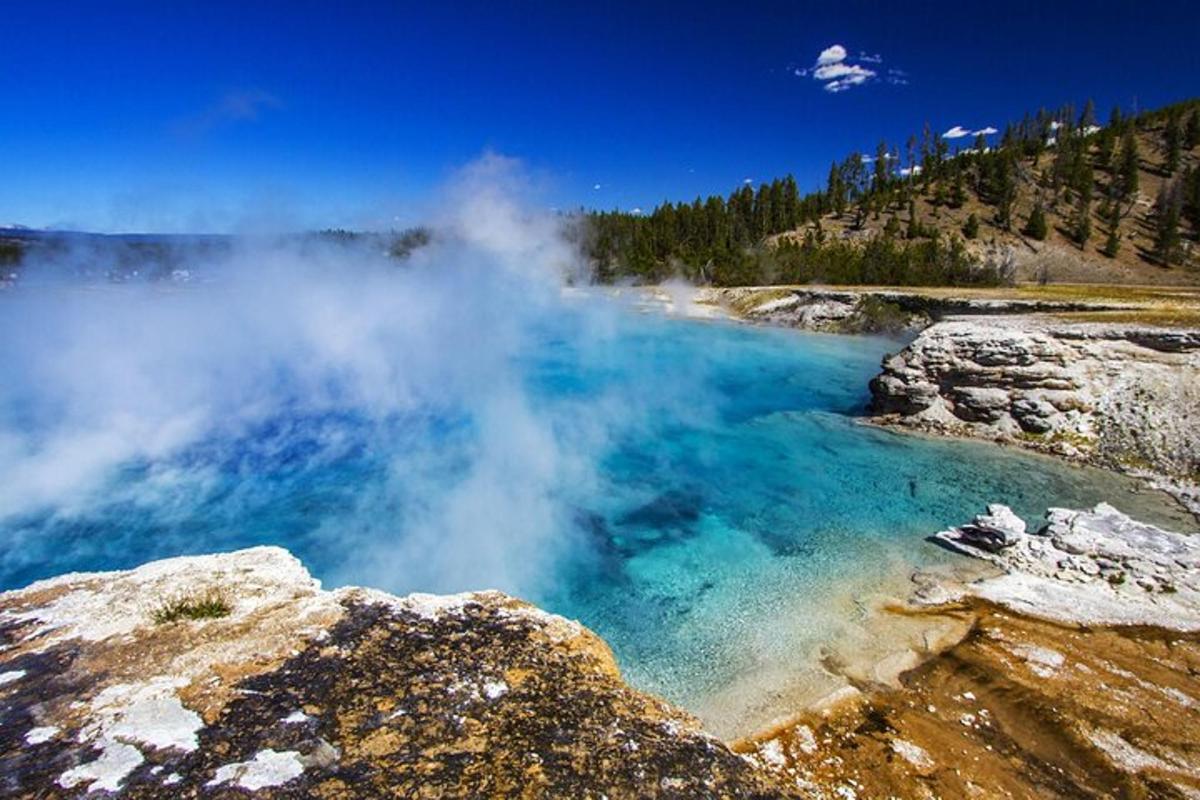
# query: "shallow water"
x,y
700,494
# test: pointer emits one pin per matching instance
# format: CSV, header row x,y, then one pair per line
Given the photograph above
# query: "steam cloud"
x,y
150,395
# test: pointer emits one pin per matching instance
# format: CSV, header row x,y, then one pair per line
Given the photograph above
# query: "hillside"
x,y
1057,198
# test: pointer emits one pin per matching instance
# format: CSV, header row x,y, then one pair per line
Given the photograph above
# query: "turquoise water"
x,y
700,494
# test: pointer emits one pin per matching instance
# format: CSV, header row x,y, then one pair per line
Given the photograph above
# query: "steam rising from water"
x,y
150,394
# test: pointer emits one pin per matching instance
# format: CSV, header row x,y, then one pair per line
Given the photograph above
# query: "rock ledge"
x,y
301,692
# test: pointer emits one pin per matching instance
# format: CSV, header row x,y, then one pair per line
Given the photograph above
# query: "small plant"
x,y
210,605
1116,579
1036,227
971,228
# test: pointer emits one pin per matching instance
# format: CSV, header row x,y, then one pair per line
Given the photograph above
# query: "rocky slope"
x,y
1124,396
264,683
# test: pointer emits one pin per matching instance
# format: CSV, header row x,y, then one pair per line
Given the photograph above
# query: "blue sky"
x,y
208,116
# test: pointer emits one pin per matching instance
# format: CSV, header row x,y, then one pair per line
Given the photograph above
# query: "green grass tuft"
x,y
210,605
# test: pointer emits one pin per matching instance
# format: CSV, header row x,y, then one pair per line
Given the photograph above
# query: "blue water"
x,y
694,492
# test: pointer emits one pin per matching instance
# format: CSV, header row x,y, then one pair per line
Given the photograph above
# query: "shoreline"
x,y
1089,689
1067,681
1029,325
1142,483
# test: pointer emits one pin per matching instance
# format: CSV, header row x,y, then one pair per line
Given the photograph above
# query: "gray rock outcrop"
x,y
1119,396
1095,566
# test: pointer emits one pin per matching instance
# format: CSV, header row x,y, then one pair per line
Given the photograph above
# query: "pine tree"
x,y
1112,244
836,190
1035,227
1106,146
791,203
1005,189
1088,118
1081,229
1173,141
971,229
914,228
891,228
880,181
1128,170
1166,235
1191,132
958,192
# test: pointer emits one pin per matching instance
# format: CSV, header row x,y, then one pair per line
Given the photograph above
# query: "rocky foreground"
x,y
235,675
298,692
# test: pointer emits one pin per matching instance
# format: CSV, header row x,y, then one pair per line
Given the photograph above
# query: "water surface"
x,y
700,494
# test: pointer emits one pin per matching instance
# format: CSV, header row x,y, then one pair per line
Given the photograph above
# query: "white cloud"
x,y
841,77
957,132
747,181
835,71
988,131
837,74
596,186
831,55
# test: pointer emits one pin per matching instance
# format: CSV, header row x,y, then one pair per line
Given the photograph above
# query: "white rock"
x,y
267,768
913,754
1092,572
107,772
42,734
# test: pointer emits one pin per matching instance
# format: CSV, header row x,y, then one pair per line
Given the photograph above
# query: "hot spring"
x,y
700,494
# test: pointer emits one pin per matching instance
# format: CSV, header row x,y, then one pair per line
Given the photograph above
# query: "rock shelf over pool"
x,y
1089,567
282,689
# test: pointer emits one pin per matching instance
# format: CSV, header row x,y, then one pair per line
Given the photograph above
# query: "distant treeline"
x,y
727,240
398,244
119,258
